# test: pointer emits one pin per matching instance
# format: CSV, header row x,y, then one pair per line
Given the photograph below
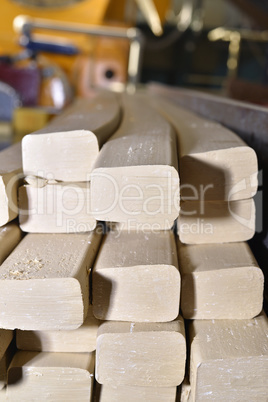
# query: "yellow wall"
x,y
93,12
87,12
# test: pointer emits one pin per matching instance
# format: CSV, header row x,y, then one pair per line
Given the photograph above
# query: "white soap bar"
x,y
229,360
51,377
220,281
136,277
135,179
123,393
80,340
67,148
141,354
216,222
213,159
56,208
44,283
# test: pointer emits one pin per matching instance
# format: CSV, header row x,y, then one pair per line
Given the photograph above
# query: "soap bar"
x,y
135,178
136,277
80,340
141,354
55,208
10,172
6,337
229,360
213,160
123,393
51,377
67,148
216,222
10,236
220,281
44,283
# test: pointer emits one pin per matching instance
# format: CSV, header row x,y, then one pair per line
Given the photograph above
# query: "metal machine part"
x,y
24,25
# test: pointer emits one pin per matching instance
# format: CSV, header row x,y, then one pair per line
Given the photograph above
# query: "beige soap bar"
x,y
213,159
55,208
80,340
67,148
10,236
10,170
44,283
229,360
136,277
123,393
6,337
34,376
220,281
135,178
216,222
141,354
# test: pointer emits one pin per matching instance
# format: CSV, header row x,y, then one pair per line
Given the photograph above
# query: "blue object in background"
x,y
37,46
9,100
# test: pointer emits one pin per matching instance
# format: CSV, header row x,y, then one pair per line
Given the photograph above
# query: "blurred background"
x,y
54,50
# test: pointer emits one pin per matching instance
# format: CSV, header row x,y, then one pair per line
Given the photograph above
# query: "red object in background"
x,y
26,81
248,91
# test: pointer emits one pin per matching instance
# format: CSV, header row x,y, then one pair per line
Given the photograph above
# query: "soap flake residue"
x,y
26,267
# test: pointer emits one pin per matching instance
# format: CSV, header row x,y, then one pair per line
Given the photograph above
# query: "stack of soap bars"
x,y
127,276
